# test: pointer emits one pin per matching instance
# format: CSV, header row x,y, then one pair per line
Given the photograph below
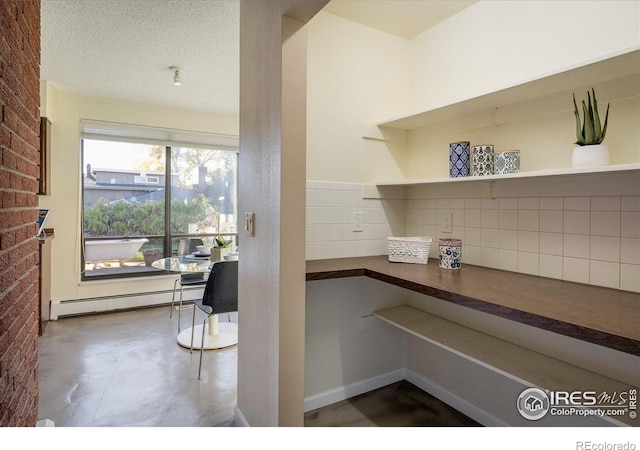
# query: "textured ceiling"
x,y
124,48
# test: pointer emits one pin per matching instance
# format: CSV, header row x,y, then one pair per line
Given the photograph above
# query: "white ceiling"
x,y
124,48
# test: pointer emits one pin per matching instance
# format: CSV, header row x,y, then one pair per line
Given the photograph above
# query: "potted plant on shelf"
x,y
590,133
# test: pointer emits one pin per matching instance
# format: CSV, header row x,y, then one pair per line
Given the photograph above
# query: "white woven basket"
x,y
413,250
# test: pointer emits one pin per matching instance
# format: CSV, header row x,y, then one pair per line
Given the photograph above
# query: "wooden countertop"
x,y
603,316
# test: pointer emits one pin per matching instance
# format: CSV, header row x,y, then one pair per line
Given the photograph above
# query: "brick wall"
x,y
19,153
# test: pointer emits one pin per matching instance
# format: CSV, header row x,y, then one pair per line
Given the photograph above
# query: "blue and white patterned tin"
x,y
507,162
481,160
459,159
450,253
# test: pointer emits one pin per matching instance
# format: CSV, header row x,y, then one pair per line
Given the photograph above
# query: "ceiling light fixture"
x,y
176,75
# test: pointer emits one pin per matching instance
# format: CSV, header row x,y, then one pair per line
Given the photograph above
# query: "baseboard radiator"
x,y
64,308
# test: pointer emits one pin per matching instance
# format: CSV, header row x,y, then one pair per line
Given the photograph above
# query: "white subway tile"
x,y
472,217
489,237
489,218
631,224
577,222
551,221
550,266
605,223
431,217
471,254
488,257
508,219
508,260
443,203
528,220
457,203
528,263
472,236
630,277
605,274
551,243
630,251
605,248
575,269
528,241
576,246
508,240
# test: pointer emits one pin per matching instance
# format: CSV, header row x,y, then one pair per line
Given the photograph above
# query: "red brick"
x,y
19,153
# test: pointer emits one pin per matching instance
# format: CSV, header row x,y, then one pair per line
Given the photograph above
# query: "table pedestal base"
x,y
226,337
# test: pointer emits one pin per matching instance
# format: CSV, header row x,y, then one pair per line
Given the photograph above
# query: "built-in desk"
x,y
606,317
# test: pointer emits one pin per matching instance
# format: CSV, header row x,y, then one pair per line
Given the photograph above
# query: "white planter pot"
x,y
590,156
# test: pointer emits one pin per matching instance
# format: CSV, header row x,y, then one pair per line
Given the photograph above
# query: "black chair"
x,y
220,296
186,247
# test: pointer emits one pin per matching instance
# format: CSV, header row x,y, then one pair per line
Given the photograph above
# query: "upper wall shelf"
x,y
601,71
623,168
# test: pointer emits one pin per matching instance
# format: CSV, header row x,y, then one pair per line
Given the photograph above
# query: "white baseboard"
x,y
61,308
341,393
468,409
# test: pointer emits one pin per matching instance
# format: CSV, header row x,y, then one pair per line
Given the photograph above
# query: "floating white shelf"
x,y
514,362
611,68
623,168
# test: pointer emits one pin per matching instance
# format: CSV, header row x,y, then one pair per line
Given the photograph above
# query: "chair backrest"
x,y
221,291
186,246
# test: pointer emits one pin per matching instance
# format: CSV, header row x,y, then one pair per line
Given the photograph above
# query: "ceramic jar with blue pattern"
x,y
507,162
450,253
481,160
459,159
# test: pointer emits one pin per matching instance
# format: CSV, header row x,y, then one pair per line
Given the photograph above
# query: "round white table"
x,y
217,334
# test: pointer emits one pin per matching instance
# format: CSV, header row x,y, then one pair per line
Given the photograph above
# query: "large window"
x,y
140,200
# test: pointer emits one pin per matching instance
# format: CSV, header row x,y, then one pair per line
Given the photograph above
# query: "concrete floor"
x,y
125,369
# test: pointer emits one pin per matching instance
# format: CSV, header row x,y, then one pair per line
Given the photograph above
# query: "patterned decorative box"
x,y
481,160
507,162
413,250
450,253
459,159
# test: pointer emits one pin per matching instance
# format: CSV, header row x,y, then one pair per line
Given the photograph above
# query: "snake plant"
x,y
590,131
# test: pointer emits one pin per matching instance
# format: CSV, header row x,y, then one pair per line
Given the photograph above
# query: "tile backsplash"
x,y
330,222
585,239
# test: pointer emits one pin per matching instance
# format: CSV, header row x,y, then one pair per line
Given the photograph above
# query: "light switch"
x,y
446,220
249,219
357,221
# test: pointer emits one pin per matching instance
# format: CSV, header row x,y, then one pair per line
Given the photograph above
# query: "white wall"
x,y
272,185
493,45
356,76
65,110
344,347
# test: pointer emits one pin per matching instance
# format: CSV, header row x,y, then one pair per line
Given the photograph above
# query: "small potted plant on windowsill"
x,y
590,133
